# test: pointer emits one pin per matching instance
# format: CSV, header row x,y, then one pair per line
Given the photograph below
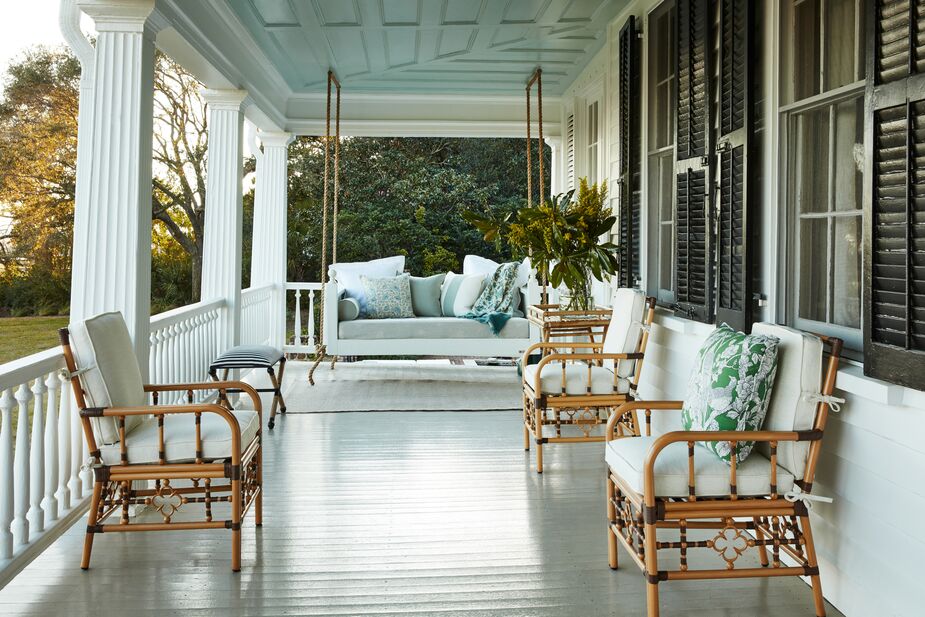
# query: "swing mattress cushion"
x,y
430,328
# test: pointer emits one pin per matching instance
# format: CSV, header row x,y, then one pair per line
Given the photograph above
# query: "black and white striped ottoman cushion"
x,y
248,356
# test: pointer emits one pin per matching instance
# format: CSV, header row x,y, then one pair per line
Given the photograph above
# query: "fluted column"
x,y
271,209
112,258
69,22
221,256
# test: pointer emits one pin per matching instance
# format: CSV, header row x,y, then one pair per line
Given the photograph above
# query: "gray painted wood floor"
x,y
433,513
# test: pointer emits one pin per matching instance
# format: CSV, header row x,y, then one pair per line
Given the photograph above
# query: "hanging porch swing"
x,y
446,334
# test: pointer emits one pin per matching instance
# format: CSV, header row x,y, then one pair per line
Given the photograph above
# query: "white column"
x,y
221,258
69,23
271,209
112,267
555,165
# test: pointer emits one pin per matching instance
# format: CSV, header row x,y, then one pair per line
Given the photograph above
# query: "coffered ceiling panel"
x,y
449,46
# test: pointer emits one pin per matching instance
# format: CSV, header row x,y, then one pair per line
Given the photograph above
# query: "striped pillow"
x,y
459,293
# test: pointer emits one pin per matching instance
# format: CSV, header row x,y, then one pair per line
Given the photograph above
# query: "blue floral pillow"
x,y
388,298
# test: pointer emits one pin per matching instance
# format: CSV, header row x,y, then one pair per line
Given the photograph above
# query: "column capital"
x,y
118,15
275,139
226,100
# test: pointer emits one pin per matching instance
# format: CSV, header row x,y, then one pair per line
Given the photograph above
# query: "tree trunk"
x,y
196,257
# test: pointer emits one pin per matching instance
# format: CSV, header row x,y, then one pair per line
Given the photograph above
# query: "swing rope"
x,y
536,78
321,350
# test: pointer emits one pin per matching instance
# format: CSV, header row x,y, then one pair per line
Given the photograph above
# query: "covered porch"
x,y
439,512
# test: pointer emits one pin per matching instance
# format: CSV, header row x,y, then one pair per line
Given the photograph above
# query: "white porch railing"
x,y
257,321
42,488
304,296
183,343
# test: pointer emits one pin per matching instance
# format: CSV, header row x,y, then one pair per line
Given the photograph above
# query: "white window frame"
x,y
651,224
789,266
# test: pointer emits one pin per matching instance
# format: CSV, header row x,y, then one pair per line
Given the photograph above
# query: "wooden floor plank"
x,y
385,514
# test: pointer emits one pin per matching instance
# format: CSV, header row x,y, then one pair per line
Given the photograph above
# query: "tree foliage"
x,y
403,196
38,150
398,195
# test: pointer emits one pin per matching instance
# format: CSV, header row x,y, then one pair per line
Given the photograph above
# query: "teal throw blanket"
x,y
495,305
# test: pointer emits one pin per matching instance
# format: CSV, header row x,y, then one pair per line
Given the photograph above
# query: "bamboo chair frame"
x,y
240,477
767,523
583,411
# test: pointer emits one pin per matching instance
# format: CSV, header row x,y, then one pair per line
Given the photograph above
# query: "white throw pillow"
x,y
459,293
347,275
473,264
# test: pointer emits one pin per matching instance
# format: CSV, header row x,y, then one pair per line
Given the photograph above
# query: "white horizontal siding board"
x,y
884,457
852,486
898,424
885,559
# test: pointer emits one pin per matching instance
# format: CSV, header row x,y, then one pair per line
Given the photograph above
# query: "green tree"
x,y
38,150
403,196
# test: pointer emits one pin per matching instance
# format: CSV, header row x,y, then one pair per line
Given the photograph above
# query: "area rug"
x,y
401,386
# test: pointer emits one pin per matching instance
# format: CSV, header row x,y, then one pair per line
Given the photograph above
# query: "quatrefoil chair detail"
x,y
579,384
671,482
188,454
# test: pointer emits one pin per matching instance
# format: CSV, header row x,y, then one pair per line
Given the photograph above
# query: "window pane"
x,y
846,275
805,49
840,43
810,162
849,154
812,270
665,252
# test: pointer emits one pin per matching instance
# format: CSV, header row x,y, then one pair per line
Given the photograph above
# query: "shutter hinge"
x,y
760,299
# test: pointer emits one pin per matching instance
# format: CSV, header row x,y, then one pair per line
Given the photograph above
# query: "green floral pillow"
x,y
388,298
730,387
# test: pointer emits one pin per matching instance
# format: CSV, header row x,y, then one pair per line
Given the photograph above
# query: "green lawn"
x,y
21,336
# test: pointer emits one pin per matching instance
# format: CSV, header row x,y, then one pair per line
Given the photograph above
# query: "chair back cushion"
x,y
625,327
103,349
799,377
730,387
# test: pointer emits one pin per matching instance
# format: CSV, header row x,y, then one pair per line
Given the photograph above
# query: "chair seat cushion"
x,y
435,328
180,439
248,356
576,379
626,458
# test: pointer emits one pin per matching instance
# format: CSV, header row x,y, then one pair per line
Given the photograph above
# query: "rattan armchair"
x,y
570,393
190,454
669,482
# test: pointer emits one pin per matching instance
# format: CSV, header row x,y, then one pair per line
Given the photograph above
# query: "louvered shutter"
x,y
693,218
630,163
570,150
894,238
734,145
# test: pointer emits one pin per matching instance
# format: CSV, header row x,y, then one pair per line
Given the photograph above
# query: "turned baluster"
x,y
7,402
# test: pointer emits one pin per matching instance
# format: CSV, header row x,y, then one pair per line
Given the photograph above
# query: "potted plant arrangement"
x,y
562,236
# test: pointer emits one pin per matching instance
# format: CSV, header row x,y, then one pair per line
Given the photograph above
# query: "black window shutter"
x,y
734,147
630,162
894,228
693,218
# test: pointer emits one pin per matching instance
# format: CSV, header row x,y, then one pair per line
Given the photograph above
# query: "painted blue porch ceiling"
x,y
446,46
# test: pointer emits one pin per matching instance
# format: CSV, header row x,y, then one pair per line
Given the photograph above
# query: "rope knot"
x,y
832,401
797,494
